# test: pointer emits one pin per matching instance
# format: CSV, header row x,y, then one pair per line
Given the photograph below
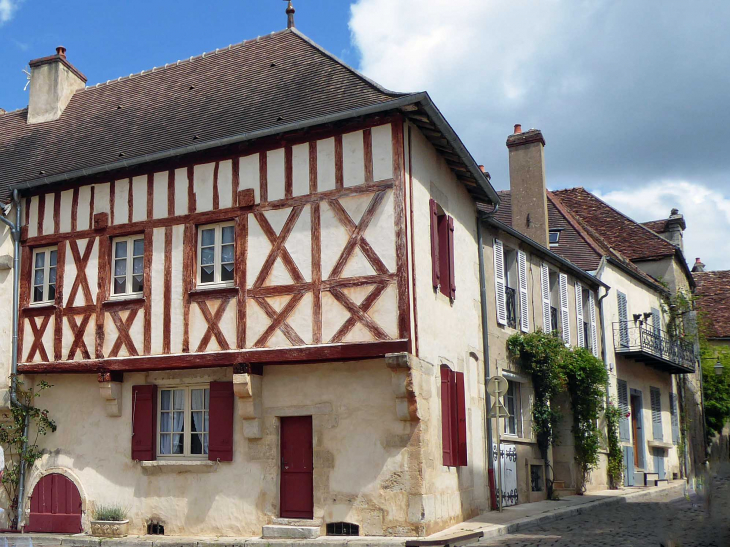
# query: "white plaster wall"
x,y
6,319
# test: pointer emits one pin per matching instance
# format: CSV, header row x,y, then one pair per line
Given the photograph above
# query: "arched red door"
x,y
55,506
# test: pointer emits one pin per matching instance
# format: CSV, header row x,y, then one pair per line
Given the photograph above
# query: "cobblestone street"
x,y
666,521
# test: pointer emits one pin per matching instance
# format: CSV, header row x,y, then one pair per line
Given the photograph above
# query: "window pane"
x,y
205,444
227,272
120,266
207,255
38,278
177,444
138,249
165,444
38,294
51,292
165,422
208,238
196,444
178,422
120,285
206,274
165,399
227,253
120,249
197,399
207,425
137,284
227,234
207,400
52,275
197,422
179,399
40,260
138,265
54,256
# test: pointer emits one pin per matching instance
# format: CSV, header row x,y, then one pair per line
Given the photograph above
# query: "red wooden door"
x,y
297,495
55,506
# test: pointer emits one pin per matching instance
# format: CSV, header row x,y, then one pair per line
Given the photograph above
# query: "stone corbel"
x,y
110,388
247,387
406,405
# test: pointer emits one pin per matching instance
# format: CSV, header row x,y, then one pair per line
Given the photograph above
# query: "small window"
x,y
128,267
184,422
442,251
44,275
216,244
512,402
342,529
554,237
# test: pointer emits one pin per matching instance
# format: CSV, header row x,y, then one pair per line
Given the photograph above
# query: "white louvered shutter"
x,y
594,330
499,282
564,315
579,314
545,286
524,300
623,405
623,319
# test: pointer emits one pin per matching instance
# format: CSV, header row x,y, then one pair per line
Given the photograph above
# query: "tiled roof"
x,y
631,239
275,80
658,226
713,292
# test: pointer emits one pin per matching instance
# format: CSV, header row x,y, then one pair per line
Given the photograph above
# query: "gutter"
x,y
15,234
421,98
604,350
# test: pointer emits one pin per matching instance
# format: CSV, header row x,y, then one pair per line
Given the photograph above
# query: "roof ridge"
x,y
192,58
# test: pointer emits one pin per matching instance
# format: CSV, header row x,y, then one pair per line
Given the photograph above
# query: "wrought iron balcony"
x,y
653,347
511,298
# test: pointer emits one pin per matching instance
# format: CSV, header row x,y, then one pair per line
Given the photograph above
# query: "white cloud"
x,y
706,212
7,9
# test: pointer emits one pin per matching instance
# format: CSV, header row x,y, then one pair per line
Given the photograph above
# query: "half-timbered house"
x,y
228,273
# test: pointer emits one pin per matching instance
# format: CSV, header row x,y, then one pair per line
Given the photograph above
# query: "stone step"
x,y
292,529
558,485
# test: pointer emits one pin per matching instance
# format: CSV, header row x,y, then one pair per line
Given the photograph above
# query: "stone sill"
x,y
171,467
660,444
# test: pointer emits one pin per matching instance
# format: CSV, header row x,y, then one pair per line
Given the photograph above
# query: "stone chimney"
x,y
53,81
675,229
699,267
527,184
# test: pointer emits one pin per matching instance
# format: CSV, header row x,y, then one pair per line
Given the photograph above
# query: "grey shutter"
x,y
499,282
675,418
594,330
656,321
628,466
579,314
623,406
545,287
564,312
656,413
659,463
623,318
524,299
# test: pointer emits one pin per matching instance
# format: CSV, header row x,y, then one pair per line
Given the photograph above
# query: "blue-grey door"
x,y
628,466
659,463
637,426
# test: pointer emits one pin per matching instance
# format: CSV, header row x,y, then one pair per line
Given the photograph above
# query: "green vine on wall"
x,y
14,442
554,369
615,468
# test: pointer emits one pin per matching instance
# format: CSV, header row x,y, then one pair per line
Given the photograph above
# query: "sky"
x,y
632,97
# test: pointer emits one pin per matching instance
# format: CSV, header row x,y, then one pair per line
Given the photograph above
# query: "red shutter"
x,y
220,444
446,418
435,263
144,422
443,229
461,419
452,277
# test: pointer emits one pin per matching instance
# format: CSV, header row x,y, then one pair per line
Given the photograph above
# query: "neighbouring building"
x,y
225,275
648,367
713,302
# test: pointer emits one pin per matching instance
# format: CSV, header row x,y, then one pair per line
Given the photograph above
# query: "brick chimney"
x,y
527,184
53,81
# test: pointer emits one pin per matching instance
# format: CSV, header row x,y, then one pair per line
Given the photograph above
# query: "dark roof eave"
x,y
422,98
542,250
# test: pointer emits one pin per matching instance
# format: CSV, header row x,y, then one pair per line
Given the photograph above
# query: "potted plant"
x,y
109,521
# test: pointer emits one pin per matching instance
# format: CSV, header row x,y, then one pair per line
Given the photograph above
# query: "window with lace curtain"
x,y
183,422
216,246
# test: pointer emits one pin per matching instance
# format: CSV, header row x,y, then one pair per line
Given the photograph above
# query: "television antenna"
x,y
27,77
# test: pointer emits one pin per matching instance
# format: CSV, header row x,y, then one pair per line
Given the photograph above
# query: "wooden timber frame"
x,y
232,352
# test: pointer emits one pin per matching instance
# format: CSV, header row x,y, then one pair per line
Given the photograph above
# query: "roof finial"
x,y
290,15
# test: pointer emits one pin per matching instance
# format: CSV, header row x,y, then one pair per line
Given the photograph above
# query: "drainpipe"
x,y
15,234
485,344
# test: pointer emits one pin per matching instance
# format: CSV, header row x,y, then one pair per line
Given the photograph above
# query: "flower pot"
x,y
109,528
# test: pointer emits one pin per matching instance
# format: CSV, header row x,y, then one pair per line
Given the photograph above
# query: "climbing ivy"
x,y
554,369
615,468
18,448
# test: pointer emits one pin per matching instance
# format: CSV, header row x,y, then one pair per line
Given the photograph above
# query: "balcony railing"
x,y
654,347
511,307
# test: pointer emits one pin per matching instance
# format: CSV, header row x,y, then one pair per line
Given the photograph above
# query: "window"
x,y
510,282
513,404
554,237
453,418
128,265
44,275
216,245
588,319
656,413
442,251
184,422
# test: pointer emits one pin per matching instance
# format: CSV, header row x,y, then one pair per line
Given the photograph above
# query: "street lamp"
x,y
718,367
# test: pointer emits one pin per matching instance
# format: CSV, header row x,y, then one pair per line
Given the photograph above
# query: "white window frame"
x,y
218,227
187,434
517,401
46,270
130,259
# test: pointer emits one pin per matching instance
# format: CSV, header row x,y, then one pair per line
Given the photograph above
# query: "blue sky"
x,y
633,104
